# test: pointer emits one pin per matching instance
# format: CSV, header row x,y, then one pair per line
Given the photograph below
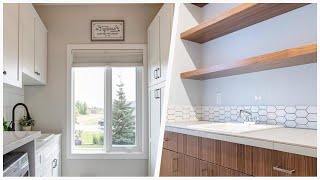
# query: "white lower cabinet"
x,y
48,158
156,94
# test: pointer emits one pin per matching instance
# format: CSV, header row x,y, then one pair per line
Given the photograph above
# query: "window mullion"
x,y
108,108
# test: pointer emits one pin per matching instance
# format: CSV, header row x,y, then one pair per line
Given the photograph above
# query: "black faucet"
x,y
12,124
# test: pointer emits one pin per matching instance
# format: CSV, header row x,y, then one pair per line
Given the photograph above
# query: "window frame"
x,y
140,151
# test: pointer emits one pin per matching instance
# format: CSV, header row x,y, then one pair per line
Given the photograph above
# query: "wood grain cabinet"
x,y
185,155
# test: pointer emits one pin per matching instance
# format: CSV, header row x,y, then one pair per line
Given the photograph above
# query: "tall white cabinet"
x,y
159,37
24,46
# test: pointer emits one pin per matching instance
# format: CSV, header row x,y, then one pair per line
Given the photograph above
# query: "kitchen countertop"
x,y
292,140
15,139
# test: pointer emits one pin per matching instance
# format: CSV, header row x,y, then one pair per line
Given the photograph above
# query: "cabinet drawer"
x,y
210,150
237,157
188,145
268,162
169,163
288,164
170,141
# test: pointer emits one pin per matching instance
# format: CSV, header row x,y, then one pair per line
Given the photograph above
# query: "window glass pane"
x,y
123,106
89,108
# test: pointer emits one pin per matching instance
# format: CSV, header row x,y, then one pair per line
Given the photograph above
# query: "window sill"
x,y
109,155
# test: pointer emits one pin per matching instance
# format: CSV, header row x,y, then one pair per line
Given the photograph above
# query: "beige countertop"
x,y
293,140
15,139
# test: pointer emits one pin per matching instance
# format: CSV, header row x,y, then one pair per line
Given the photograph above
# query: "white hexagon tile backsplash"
x,y
287,116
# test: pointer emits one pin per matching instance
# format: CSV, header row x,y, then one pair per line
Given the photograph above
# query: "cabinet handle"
x,y
172,163
155,74
158,75
206,172
276,168
37,73
155,93
4,72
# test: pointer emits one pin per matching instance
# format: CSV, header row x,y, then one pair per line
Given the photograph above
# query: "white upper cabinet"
x,y
34,47
159,36
12,64
166,18
153,51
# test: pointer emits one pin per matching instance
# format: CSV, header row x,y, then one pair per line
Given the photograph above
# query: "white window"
x,y
106,105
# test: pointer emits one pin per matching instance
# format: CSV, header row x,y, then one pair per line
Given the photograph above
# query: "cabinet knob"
x,y
4,72
37,73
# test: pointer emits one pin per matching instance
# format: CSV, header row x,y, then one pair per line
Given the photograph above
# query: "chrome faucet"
x,y
249,117
242,111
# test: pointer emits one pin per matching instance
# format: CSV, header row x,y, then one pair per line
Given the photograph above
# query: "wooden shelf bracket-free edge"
x,y
237,18
290,57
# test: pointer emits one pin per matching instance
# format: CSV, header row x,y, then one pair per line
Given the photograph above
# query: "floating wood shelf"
x,y
200,4
290,57
235,19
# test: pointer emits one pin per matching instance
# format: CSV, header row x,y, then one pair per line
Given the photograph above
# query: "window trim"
x,y
143,133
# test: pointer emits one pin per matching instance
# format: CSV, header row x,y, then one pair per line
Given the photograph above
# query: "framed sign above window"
x,y
107,30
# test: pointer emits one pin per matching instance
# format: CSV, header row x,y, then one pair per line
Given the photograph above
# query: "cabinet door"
x,y
40,63
28,41
288,164
170,141
153,51
229,172
210,150
48,168
56,165
154,123
39,163
166,17
169,163
191,166
188,145
237,157
12,63
208,169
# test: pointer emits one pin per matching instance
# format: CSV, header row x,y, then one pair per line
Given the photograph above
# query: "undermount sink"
x,y
44,136
233,127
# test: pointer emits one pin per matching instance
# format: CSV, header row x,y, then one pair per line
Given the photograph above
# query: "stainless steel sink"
x,y
232,127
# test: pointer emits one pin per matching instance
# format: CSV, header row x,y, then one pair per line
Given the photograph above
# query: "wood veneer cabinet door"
x,y
188,145
288,164
191,166
229,172
208,169
237,157
169,163
170,141
262,161
210,150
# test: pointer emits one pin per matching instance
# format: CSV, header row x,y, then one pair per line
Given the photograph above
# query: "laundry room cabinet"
x,y
12,63
159,37
34,47
24,46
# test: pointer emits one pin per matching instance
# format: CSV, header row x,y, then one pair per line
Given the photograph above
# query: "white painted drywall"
x,y
187,56
71,24
286,86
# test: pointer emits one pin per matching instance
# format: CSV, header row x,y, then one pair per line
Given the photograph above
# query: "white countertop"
x,y
292,140
15,139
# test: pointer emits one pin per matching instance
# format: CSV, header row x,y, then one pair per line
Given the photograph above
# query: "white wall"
x,y
286,86
71,24
187,56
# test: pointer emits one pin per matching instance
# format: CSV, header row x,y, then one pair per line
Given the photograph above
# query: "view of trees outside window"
x,y
124,105
89,97
89,107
